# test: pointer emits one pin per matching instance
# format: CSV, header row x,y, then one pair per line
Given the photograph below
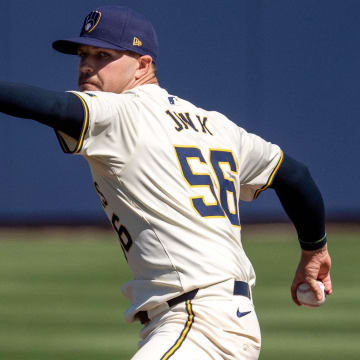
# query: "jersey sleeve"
x,y
108,130
259,162
69,144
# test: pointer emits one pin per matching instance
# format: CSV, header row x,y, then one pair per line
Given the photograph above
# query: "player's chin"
x,y
85,86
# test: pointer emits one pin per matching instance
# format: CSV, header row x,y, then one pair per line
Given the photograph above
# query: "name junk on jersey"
x,y
184,121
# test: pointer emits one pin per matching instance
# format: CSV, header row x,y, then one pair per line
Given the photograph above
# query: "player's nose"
x,y
86,65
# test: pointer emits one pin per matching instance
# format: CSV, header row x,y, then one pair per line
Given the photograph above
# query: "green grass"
x,y
60,297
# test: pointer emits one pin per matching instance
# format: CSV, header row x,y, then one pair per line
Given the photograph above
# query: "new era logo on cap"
x,y
137,42
114,27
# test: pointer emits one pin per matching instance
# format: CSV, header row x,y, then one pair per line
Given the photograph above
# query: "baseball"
x,y
307,297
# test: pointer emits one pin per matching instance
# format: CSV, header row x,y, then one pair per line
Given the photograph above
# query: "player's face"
x,y
106,70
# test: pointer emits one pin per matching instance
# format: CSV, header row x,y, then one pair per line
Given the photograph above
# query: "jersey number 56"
x,y
225,202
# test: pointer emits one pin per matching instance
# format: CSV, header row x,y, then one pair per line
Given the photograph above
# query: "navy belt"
x,y
240,288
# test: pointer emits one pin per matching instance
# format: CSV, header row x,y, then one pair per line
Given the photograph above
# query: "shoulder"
x,y
98,96
99,101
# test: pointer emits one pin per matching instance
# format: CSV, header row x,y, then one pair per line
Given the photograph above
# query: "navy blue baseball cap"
x,y
116,28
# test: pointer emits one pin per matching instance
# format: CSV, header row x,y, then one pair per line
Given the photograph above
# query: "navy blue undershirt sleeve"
x,y
59,110
302,202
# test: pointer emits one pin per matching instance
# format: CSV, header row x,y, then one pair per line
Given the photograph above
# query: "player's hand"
x,y
314,265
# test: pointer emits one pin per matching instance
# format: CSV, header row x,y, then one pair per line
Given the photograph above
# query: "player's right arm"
x,y
60,110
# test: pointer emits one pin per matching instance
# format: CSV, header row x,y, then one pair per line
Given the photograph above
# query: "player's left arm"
x,y
59,110
303,203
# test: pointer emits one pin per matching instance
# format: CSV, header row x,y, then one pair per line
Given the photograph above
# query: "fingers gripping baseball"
x,y
314,265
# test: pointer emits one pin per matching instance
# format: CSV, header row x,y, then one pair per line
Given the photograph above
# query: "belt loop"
x,y
242,288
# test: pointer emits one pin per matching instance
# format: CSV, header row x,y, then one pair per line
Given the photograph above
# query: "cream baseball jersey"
x,y
170,176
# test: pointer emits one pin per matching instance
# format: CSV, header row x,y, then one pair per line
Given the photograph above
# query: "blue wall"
x,y
287,70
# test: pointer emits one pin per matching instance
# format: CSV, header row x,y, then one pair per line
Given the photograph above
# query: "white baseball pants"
x,y
215,325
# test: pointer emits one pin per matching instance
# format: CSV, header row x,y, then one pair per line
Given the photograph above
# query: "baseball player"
x,y
169,176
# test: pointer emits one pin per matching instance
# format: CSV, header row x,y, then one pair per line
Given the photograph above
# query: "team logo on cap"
x,y
137,41
91,21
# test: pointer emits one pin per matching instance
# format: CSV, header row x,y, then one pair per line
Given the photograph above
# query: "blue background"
x,y
287,70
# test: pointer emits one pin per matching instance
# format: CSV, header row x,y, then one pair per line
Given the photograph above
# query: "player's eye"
x,y
103,55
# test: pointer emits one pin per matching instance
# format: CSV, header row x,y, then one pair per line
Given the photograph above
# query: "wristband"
x,y
313,245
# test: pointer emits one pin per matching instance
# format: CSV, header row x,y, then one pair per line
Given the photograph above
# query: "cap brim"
x,y
70,46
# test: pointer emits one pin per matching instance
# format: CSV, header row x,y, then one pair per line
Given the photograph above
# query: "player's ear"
x,y
144,66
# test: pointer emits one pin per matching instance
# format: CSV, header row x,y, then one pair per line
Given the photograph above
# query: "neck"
x,y
147,79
